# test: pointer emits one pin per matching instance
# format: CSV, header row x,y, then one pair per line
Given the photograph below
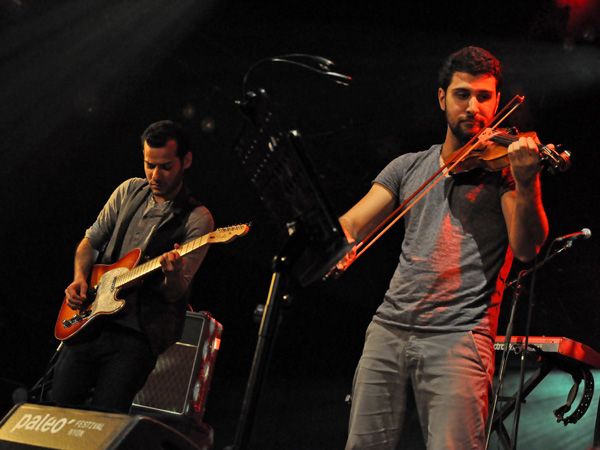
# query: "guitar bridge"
x,y
76,319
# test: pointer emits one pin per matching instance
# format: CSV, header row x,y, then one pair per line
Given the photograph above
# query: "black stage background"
x,y
81,81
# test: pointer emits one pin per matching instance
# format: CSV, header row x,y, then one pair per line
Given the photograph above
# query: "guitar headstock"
x,y
228,234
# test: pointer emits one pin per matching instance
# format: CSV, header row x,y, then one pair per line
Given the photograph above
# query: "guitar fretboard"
x,y
219,235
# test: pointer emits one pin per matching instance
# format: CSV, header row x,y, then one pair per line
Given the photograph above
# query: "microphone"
x,y
323,66
583,234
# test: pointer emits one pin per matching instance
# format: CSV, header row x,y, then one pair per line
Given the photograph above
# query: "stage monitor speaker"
x,y
30,426
179,384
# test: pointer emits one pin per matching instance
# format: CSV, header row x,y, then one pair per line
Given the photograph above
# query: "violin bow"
x,y
416,196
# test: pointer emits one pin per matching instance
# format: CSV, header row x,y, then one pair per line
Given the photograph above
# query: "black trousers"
x,y
102,370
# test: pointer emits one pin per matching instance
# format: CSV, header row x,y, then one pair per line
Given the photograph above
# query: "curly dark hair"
x,y
159,133
471,60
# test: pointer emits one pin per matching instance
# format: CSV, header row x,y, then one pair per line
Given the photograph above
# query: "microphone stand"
x,y
517,287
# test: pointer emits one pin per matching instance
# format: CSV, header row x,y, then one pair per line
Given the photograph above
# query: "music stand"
x,y
275,161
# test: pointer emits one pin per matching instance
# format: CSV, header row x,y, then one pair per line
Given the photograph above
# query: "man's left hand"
x,y
172,262
524,160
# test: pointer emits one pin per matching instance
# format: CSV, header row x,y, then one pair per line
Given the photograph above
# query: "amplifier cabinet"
x,y
180,382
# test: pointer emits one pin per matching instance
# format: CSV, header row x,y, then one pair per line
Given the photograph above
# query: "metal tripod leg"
x,y
266,337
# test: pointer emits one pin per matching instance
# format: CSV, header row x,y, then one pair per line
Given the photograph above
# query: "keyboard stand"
x,y
510,402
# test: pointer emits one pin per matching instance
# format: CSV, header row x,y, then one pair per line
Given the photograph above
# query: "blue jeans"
x,y
104,370
451,376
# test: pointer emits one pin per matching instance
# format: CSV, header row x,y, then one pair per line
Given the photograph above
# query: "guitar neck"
x,y
154,264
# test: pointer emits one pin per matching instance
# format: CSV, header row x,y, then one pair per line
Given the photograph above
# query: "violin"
x,y
490,152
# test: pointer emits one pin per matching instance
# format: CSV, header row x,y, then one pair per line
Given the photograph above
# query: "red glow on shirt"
x,y
472,196
445,260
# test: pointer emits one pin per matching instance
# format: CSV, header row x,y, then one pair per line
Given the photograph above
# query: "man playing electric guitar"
x,y
112,358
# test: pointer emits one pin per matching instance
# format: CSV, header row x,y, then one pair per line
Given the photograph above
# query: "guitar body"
x,y
101,297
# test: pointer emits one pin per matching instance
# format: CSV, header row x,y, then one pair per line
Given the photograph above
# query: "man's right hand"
x,y
337,270
76,294
348,259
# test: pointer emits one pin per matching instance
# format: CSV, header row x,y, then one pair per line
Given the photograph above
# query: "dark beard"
x,y
460,134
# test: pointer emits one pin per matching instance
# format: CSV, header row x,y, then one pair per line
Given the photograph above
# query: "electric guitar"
x,y
106,281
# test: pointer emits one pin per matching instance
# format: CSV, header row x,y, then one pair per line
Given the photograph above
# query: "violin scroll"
x,y
557,160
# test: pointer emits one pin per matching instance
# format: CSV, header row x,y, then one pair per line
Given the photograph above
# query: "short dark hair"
x,y
471,60
159,133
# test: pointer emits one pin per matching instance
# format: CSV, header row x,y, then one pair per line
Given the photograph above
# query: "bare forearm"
x,y
349,228
368,213
529,226
85,257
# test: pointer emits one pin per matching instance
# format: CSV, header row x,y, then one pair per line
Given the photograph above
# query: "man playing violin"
x,y
434,331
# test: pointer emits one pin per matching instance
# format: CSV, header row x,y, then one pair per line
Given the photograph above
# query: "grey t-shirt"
x,y
454,248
